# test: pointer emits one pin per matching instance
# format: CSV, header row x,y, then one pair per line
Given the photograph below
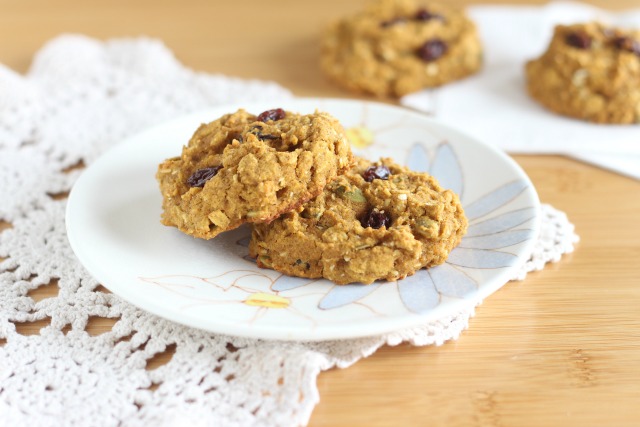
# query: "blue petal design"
x,y
418,159
497,240
285,283
478,258
446,168
495,199
452,282
501,223
244,241
418,293
341,295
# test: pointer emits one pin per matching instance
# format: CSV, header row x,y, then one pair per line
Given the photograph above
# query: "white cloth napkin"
x,y
494,107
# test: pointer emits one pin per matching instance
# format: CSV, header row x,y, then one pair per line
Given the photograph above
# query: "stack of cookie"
x,y
316,211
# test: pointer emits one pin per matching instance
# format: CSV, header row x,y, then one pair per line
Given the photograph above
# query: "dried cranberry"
x,y
201,176
266,136
376,219
432,50
628,44
376,172
394,21
425,15
275,114
580,40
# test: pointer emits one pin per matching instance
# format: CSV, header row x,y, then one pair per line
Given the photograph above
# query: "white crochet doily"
x,y
80,97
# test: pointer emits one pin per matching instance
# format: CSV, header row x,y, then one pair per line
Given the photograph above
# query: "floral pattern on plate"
x,y
113,227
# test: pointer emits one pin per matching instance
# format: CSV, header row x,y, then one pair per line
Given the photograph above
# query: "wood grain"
x,y
561,348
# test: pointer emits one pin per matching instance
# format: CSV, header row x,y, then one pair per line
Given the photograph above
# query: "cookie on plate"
x,y
246,168
590,72
377,221
395,47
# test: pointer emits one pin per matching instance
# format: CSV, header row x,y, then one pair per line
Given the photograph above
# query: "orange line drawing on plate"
x,y
228,283
363,135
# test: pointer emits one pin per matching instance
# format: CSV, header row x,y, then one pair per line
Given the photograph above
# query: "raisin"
x,y
394,21
432,50
275,114
266,136
257,131
628,44
376,172
376,219
425,15
580,40
201,176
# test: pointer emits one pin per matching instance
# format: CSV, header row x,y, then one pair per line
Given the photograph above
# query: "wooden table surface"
x,y
561,348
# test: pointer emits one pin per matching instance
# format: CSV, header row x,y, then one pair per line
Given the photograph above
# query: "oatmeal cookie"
x,y
377,221
395,47
246,168
590,72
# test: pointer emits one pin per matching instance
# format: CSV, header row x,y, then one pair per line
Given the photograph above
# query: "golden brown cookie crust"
x,y
599,82
266,168
325,237
376,51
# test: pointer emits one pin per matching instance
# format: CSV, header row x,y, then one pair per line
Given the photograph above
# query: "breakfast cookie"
x,y
377,221
395,47
246,168
590,72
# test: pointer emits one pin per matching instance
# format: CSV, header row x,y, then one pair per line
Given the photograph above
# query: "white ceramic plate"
x,y
113,226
